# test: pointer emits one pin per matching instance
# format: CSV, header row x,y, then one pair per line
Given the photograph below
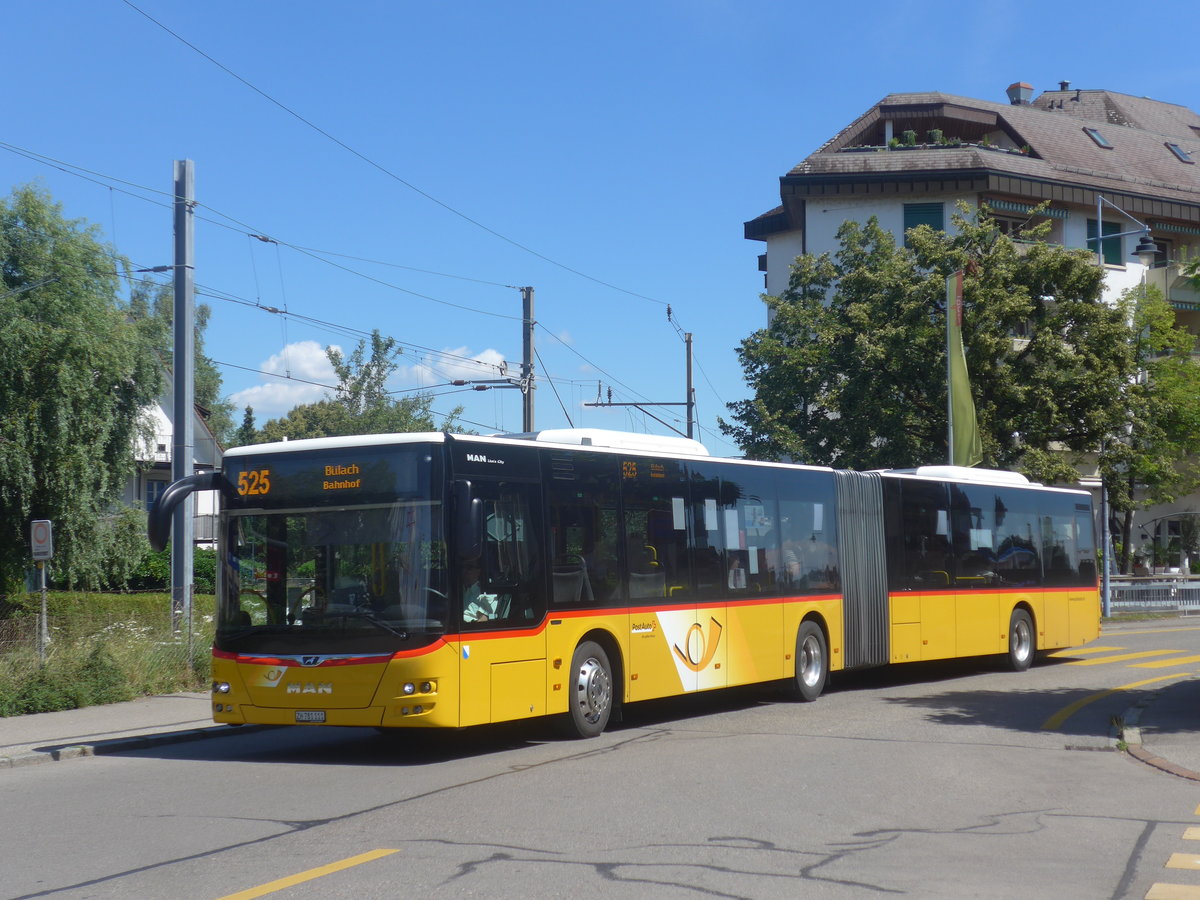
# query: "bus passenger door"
x,y
501,606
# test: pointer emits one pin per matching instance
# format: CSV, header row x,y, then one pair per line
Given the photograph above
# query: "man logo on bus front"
x,y
310,660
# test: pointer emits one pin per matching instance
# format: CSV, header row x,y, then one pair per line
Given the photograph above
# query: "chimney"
x,y
1064,85
1020,93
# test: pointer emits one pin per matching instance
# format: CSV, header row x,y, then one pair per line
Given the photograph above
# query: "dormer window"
x,y
1180,154
1101,140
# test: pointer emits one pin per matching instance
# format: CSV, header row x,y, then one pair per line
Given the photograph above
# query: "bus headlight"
x,y
426,687
220,687
409,688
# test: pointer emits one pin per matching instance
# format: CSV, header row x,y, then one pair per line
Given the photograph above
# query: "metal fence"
x,y
1156,594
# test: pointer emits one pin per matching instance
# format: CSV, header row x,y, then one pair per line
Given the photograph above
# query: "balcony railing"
x,y
1179,289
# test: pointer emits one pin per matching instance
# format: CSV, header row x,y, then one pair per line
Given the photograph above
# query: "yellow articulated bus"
x,y
437,580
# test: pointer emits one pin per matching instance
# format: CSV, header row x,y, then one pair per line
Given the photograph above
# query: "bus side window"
x,y
508,588
973,515
582,501
654,497
928,563
1017,560
1068,542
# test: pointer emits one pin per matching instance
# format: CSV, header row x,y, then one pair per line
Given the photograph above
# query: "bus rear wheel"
x,y
812,662
1022,644
590,692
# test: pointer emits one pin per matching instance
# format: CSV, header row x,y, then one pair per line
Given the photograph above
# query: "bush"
x,y
104,648
153,573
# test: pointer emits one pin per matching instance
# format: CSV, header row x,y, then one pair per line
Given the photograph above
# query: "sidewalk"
x,y
115,728
1162,729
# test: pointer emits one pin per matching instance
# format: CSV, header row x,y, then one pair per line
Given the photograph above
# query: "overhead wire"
x,y
320,255
542,365
241,227
430,358
383,169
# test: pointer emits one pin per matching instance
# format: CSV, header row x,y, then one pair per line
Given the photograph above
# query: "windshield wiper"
x,y
370,617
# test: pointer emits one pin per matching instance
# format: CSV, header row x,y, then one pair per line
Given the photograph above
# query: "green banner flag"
x,y
963,429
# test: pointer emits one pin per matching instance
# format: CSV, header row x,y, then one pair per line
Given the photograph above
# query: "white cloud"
x,y
304,361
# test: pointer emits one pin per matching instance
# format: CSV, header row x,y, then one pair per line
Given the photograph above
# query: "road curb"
x,y
123,745
1130,735
1140,753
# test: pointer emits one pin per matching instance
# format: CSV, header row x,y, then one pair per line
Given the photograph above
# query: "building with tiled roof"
x,y
912,157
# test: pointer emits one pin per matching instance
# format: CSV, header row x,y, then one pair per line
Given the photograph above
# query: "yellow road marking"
x,y
1173,892
1062,715
1192,834
1080,651
1163,663
1184,861
1121,657
293,880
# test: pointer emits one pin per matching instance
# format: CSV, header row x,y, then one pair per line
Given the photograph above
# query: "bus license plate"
x,y
310,715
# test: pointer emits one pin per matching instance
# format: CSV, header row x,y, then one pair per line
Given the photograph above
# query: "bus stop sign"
x,y
42,537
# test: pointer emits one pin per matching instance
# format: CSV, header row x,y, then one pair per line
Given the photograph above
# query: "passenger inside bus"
x,y
477,606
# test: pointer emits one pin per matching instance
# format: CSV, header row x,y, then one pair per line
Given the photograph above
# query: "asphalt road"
x,y
951,780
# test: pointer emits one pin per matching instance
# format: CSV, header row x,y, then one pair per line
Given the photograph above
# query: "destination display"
x,y
330,477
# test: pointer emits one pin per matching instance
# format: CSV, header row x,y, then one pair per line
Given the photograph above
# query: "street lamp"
x,y
1146,251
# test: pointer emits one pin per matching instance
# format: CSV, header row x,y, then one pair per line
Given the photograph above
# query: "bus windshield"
x,y
355,579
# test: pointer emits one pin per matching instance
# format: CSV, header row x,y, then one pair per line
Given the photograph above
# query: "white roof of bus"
x,y
617,440
966,473
335,443
599,438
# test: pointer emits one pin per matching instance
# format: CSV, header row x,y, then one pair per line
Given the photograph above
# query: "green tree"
x,y
1153,456
247,433
361,403
851,370
153,305
77,376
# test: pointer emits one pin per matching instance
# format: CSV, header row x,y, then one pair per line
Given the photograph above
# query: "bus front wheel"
x,y
812,662
590,691
1022,645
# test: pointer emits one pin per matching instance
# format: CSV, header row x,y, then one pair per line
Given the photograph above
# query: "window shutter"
x,y
1112,246
931,214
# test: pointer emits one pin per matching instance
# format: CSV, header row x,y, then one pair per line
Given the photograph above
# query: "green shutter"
x,y
931,214
1112,246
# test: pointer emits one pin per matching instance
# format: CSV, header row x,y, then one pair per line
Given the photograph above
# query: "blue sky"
x,y
606,154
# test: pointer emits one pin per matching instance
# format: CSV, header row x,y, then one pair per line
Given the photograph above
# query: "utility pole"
x,y
527,360
525,382
183,376
691,393
690,402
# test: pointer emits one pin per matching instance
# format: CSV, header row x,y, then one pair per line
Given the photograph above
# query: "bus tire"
x,y
812,662
590,692
1022,642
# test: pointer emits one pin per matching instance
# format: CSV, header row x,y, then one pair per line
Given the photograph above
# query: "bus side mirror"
x,y
158,520
468,514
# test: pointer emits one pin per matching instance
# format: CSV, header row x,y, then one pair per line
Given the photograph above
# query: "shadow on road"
x,y
1016,709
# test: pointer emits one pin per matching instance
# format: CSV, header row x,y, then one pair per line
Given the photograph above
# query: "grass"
x,y
104,648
